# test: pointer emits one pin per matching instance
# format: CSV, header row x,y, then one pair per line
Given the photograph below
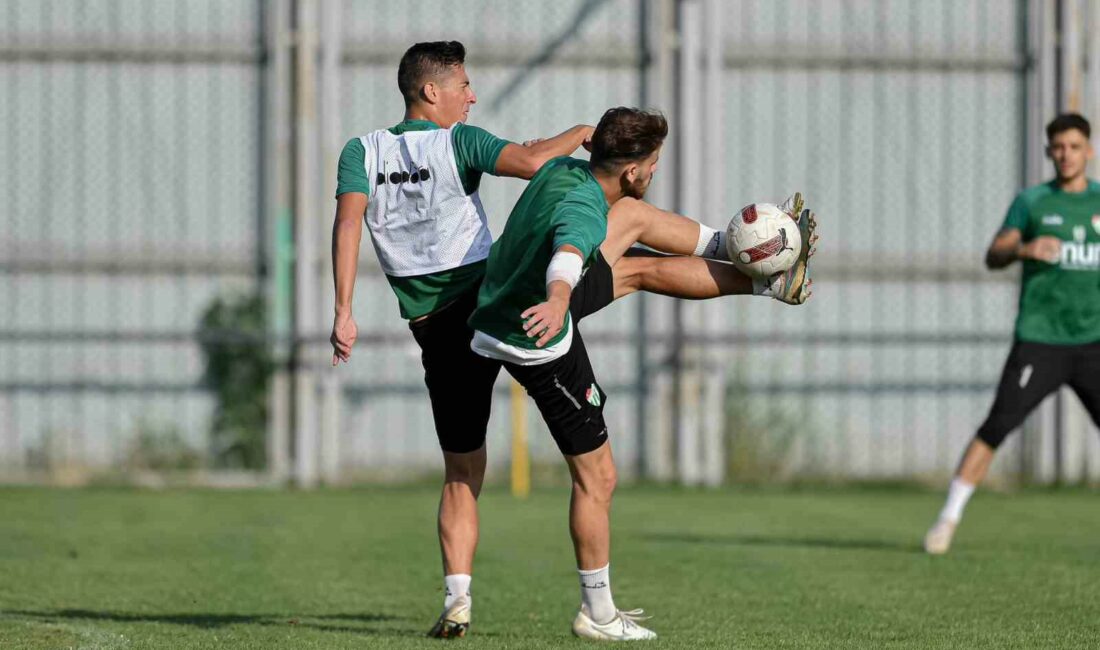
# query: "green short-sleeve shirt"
x,y
563,204
1059,302
476,153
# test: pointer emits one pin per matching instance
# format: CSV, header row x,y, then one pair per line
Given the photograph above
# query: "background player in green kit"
x,y
1054,230
532,296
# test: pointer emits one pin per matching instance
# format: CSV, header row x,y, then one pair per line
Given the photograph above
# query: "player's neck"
x,y
1074,185
612,189
419,113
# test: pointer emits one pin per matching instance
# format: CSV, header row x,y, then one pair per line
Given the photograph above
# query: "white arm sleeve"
x,y
565,267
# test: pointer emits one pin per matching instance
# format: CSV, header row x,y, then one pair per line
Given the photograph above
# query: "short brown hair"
x,y
626,135
426,59
1065,122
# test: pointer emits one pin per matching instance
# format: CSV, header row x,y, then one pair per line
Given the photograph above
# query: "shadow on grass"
x,y
324,622
801,542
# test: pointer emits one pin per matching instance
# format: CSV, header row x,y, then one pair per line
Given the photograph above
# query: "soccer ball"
x,y
762,240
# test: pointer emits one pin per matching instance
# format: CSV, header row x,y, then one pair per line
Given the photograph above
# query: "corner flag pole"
x,y
521,460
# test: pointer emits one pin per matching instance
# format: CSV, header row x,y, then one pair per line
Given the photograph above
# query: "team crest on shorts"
x,y
1096,223
592,395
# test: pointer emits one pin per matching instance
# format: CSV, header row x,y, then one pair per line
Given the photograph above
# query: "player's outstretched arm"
x,y
522,161
1008,246
347,232
546,319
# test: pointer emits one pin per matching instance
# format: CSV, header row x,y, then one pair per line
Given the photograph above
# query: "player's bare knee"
x,y
610,481
627,216
598,483
459,483
465,469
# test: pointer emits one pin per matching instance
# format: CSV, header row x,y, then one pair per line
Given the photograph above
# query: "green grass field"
x,y
359,569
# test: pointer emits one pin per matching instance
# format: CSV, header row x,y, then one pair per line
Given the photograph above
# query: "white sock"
x,y
455,585
712,244
957,496
596,594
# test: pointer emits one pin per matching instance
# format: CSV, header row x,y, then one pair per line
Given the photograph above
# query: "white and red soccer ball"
x,y
762,240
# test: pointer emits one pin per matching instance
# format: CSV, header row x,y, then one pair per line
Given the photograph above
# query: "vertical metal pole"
x,y
689,129
641,364
676,351
1061,72
1090,470
714,455
1073,76
331,13
1042,104
1042,90
661,438
521,455
277,170
1076,39
305,207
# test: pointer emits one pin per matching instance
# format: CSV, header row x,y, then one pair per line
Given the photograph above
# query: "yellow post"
x,y
521,460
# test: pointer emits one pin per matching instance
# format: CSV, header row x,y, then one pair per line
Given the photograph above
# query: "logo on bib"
x,y
1052,219
1079,234
396,178
1096,223
592,395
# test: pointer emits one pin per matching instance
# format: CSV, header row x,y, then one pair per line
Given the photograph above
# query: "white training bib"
x,y
419,215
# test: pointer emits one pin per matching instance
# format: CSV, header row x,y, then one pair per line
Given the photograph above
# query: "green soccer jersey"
x,y
563,204
1060,302
476,152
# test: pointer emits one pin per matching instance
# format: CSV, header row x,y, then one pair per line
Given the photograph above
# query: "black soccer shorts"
x,y
570,400
565,389
460,381
1035,370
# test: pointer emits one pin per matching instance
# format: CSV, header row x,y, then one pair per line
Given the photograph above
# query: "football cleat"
x,y
938,539
624,627
794,285
793,205
454,621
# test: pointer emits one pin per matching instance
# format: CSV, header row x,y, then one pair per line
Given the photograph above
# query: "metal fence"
x,y
158,156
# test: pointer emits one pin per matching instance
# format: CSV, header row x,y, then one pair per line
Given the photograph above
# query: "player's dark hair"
x,y
626,135
1065,122
424,60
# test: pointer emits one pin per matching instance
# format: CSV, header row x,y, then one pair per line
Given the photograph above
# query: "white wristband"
x,y
564,267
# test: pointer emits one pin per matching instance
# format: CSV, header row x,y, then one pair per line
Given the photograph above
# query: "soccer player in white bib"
x,y
415,185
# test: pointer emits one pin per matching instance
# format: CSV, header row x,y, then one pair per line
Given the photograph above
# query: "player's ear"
x,y
631,172
430,92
